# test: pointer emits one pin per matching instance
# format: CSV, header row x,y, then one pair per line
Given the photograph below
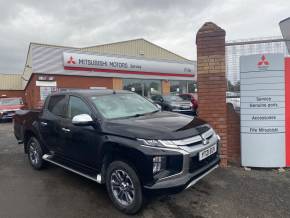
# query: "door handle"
x,y
43,123
65,129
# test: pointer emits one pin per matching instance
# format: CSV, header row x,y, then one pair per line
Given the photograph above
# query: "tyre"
x,y
124,188
35,154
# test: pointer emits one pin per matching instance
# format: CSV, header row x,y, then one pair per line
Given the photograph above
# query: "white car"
x,y
234,99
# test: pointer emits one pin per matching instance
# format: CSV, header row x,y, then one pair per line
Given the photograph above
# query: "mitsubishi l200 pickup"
x,y
119,139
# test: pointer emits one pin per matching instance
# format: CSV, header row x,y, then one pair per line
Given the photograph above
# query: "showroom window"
x,y
191,86
45,91
143,87
178,87
181,87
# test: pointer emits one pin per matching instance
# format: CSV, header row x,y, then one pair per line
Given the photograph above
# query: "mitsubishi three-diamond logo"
x,y
263,63
71,60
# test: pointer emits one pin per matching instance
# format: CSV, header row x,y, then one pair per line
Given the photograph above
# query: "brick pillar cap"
x,y
210,29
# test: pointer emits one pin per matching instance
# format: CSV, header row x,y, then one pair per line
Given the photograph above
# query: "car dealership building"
x,y
135,65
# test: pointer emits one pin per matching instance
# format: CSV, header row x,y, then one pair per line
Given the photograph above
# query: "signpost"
x,y
263,110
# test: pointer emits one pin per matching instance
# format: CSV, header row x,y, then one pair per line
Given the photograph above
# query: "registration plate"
x,y
207,152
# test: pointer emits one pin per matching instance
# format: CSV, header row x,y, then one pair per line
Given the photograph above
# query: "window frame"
x,y
84,100
47,102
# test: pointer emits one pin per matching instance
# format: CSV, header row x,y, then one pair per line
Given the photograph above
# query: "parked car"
x,y
233,98
190,97
173,103
8,107
119,139
157,105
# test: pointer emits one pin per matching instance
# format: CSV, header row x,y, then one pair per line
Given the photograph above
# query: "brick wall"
x,y
32,94
210,42
32,91
83,82
11,93
234,138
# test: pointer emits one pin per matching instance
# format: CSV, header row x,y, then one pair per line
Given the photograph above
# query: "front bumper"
x,y
7,115
192,169
186,180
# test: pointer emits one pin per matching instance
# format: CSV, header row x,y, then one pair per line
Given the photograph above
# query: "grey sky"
x,y
169,23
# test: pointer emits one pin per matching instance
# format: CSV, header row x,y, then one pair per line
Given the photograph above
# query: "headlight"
x,y
158,143
191,104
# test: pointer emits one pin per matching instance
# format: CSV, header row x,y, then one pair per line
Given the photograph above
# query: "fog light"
x,y
158,164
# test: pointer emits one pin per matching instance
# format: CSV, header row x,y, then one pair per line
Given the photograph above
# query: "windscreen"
x,y
122,105
10,101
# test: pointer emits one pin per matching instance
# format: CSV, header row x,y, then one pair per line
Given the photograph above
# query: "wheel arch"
x,y
27,136
114,151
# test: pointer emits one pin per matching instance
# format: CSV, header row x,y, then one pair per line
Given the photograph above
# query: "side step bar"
x,y
48,158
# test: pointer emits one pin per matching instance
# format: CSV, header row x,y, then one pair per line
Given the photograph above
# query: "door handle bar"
x,y
65,129
43,123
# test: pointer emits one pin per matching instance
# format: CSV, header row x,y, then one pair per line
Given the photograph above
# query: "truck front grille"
x,y
206,135
195,140
196,164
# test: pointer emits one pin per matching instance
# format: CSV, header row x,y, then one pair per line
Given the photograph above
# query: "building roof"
x,y
95,92
136,48
140,48
10,82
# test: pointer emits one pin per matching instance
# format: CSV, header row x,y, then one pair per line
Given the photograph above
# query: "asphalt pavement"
x,y
55,192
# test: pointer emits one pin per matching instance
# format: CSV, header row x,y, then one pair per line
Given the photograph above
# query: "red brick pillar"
x,y
211,80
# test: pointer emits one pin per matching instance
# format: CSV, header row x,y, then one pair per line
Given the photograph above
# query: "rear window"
x,y
57,104
185,97
172,98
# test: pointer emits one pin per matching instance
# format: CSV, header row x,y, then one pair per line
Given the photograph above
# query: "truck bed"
x,y
22,120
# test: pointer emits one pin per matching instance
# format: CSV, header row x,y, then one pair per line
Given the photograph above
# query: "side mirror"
x,y
159,107
82,120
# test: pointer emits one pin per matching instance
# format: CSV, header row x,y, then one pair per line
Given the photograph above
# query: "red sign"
x,y
71,60
263,61
287,110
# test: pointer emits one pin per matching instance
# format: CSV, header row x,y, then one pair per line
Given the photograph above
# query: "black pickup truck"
x,y
120,139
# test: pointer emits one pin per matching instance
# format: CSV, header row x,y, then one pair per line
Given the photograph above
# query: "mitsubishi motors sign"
x,y
110,64
263,111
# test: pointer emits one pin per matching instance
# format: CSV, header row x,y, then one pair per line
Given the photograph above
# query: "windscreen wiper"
x,y
153,112
140,115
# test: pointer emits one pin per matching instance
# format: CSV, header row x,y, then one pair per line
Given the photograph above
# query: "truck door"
x,y
50,122
81,142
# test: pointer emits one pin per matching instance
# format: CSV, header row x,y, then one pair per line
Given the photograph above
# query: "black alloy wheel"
x,y
124,187
35,154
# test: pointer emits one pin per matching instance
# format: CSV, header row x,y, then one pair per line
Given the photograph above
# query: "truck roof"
x,y
90,92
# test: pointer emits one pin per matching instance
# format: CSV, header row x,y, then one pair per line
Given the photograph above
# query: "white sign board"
x,y
88,62
262,110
